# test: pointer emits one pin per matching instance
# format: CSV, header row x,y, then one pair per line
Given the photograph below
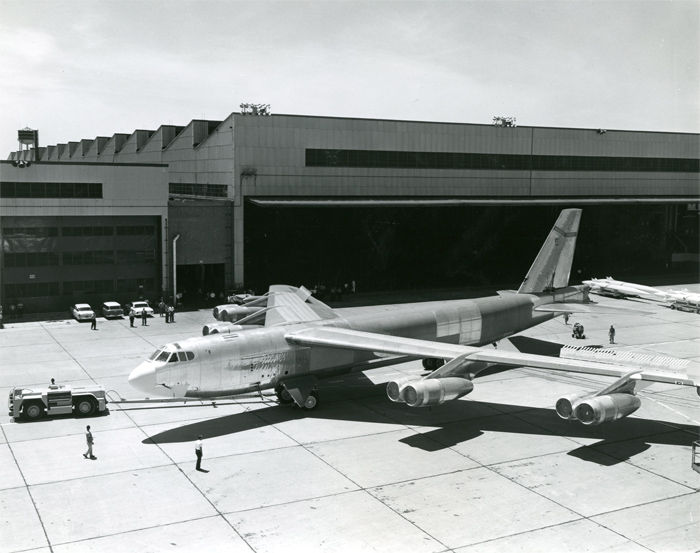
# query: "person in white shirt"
x,y
198,452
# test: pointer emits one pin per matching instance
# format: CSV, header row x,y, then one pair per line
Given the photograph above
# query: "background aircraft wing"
x,y
288,305
461,359
594,308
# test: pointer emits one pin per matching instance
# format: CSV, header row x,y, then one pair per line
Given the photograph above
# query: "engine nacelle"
x,y
223,328
566,406
395,388
434,391
600,409
232,313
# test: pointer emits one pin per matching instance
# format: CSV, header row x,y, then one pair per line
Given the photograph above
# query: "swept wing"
x,y
464,359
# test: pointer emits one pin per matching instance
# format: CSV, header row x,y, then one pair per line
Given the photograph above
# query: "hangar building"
x,y
260,199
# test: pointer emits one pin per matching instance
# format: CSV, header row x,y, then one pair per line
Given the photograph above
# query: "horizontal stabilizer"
x,y
593,308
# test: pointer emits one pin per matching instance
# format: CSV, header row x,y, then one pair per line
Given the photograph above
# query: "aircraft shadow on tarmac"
x,y
452,423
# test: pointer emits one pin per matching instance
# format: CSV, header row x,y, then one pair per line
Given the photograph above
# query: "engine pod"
x,y
600,409
395,389
434,391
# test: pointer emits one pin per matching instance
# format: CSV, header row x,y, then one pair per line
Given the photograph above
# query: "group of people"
x,y
336,292
16,310
611,330
167,311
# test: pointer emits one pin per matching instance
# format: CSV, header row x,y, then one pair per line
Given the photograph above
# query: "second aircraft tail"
x,y
553,264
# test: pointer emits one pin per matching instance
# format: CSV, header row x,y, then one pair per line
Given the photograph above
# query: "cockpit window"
x,y
154,355
181,356
173,358
190,355
163,357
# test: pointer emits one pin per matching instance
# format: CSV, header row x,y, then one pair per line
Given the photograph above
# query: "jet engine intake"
x,y
566,406
232,313
600,409
395,388
434,391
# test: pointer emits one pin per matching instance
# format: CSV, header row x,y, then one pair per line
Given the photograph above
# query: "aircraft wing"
x,y
594,308
461,358
288,304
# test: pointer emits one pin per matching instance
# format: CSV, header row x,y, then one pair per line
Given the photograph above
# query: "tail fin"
x,y
553,264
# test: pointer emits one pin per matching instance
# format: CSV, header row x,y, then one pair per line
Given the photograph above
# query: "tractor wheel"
x,y
33,410
84,406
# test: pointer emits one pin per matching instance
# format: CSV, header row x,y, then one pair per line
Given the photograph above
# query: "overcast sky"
x,y
80,69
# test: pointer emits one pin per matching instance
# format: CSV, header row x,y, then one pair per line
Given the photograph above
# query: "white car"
x,y
111,309
138,307
82,311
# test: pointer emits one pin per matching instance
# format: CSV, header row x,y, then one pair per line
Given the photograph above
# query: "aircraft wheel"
x,y
84,406
33,411
283,396
431,364
312,401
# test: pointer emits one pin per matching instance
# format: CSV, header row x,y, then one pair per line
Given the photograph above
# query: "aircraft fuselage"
x,y
257,359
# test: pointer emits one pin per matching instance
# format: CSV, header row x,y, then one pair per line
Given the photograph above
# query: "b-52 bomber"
x,y
288,341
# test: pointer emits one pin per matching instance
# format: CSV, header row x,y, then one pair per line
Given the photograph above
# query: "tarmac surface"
x,y
494,471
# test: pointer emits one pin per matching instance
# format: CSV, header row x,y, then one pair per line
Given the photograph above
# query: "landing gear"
x,y
432,364
312,401
300,391
283,396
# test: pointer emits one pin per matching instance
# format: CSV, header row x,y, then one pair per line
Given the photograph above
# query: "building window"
x,y
136,230
10,189
474,161
79,287
87,231
101,257
135,285
132,257
32,290
37,259
31,232
193,189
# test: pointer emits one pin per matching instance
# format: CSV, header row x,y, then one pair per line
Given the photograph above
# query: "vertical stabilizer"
x,y
553,264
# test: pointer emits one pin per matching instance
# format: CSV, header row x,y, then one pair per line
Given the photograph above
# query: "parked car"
x,y
82,311
112,309
138,307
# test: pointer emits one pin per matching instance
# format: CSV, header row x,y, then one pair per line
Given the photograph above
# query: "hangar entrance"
x,y
196,281
387,248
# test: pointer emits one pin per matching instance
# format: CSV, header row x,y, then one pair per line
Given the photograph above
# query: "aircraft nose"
x,y
143,378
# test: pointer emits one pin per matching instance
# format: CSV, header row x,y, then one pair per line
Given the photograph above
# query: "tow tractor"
x,y
35,402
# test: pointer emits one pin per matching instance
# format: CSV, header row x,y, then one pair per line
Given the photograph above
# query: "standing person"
x,y
144,317
12,310
198,452
172,313
611,334
161,307
93,321
90,441
20,310
132,316
566,318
